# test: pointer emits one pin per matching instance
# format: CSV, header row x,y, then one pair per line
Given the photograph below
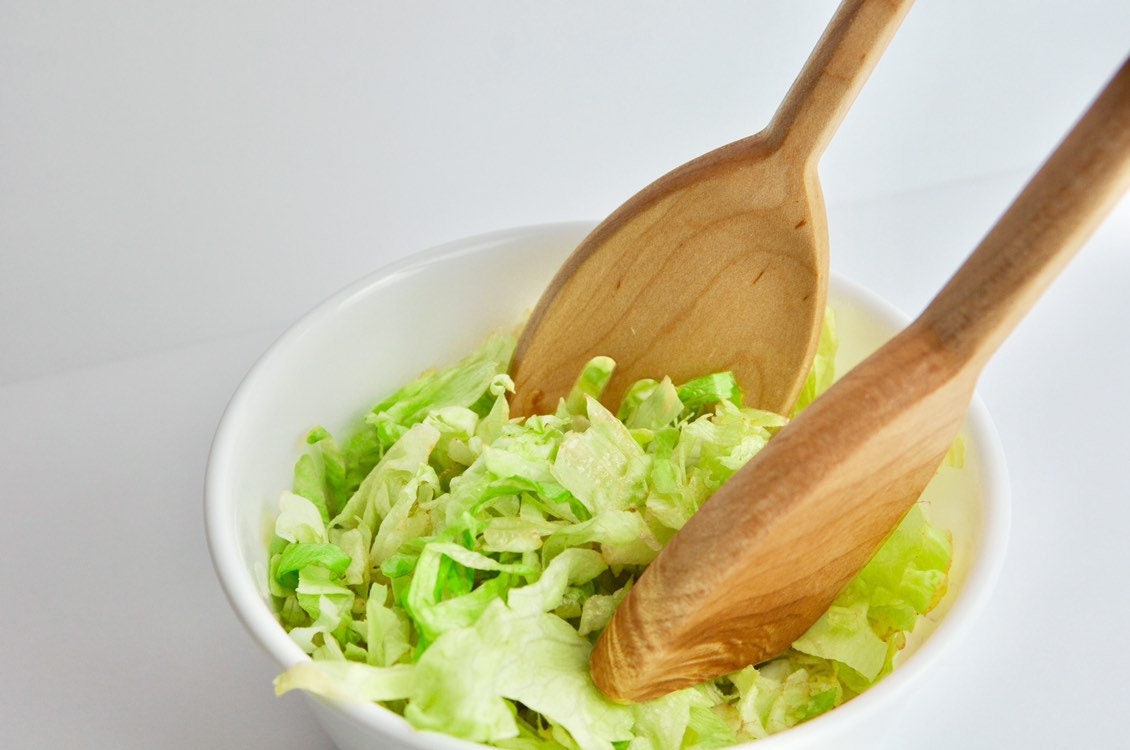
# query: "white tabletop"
x,y
183,180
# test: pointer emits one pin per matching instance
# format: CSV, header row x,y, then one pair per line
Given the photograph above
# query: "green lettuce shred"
x,y
457,565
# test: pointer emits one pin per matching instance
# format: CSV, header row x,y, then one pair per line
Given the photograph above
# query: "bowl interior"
x,y
433,308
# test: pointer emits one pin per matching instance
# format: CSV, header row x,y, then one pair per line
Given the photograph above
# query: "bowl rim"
x,y
246,599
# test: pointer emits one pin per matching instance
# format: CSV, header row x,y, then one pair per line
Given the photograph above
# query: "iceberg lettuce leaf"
x,y
533,658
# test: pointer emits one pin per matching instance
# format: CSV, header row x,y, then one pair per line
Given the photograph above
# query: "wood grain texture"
x,y
767,554
721,264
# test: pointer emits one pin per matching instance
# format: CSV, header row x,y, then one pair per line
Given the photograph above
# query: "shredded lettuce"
x,y
457,565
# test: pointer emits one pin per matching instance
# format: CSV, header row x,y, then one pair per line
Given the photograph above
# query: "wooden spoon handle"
x,y
835,72
1061,206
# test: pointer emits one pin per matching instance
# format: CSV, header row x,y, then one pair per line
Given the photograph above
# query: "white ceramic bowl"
x,y
431,309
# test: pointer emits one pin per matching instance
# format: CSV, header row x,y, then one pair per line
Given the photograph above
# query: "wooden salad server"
x,y
767,554
721,264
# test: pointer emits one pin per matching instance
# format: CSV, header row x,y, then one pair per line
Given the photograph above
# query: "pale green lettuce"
x,y
457,565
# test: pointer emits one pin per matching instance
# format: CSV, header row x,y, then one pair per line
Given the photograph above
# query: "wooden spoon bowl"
x,y
721,265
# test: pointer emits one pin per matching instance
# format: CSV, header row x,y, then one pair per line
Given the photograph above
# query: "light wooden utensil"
x,y
719,265
766,555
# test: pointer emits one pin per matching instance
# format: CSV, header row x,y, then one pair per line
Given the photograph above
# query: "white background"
x,y
180,181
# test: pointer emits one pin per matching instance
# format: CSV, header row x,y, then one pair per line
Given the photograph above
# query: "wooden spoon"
x,y
719,265
766,555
